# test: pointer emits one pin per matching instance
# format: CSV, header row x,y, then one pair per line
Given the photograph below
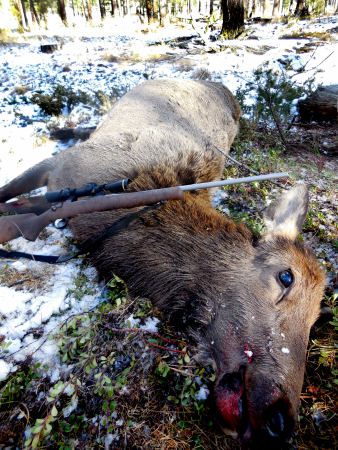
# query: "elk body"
x,y
248,302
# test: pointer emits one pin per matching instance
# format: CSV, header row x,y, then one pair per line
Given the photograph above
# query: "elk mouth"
x,y
235,411
232,405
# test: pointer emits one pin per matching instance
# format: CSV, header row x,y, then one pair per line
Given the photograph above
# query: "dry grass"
x,y
110,58
70,122
160,57
31,281
184,65
202,74
21,90
323,36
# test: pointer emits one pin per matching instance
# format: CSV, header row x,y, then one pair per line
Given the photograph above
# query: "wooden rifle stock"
x,y
29,226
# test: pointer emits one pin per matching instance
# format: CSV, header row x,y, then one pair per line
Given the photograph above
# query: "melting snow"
x,y
4,369
202,394
150,325
285,350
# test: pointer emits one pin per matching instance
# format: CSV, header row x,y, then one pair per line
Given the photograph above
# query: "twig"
x,y
247,167
144,331
182,393
182,371
291,123
23,280
210,440
277,123
27,119
304,71
165,348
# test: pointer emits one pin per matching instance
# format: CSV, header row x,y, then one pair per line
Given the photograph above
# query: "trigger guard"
x,y
60,224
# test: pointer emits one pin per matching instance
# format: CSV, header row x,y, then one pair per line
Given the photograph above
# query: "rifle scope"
x,y
91,189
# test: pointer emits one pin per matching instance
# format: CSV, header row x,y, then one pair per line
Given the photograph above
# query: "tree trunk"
x,y
253,9
16,5
233,18
275,12
206,7
62,11
120,7
84,10
102,12
113,7
35,17
89,10
299,6
24,12
211,6
290,7
127,7
148,11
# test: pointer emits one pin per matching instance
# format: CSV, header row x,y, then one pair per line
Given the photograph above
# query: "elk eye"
x,y
286,278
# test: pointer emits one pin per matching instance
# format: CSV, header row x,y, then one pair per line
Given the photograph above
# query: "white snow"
x,y
4,369
132,322
150,325
70,408
285,350
202,394
248,353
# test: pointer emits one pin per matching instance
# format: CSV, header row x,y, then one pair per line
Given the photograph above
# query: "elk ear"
x,y
285,217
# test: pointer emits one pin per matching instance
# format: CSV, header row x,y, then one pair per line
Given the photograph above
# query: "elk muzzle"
x,y
260,416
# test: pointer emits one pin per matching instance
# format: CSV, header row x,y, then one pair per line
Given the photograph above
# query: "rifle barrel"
x,y
228,182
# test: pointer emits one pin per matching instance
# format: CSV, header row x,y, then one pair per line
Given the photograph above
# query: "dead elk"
x,y
248,302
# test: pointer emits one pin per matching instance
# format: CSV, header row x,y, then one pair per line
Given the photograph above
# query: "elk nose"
x,y
279,422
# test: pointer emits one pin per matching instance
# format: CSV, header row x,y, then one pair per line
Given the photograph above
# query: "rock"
x,y
49,48
259,50
72,133
321,106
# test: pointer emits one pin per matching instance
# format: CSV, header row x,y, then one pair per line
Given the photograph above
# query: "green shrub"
x,y
52,104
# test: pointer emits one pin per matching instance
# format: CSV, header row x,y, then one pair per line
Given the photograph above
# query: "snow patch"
x,y
202,394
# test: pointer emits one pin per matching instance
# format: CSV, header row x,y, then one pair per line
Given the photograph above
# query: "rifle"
x,y
30,225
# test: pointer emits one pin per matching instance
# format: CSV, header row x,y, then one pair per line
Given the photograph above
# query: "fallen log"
x,y
321,106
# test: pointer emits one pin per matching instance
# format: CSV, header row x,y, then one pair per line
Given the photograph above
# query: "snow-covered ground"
x,y
28,315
